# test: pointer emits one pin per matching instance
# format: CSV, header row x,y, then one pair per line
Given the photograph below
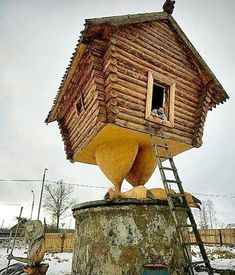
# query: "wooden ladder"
x,y
172,197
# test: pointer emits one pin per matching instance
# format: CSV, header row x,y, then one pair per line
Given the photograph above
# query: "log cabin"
x,y
122,69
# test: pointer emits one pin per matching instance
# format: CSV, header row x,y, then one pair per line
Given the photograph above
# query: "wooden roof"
x,y
97,26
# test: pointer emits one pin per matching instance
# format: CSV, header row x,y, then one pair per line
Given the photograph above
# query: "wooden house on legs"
x,y
124,69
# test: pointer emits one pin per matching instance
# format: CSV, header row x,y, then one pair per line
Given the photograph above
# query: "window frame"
x,y
157,78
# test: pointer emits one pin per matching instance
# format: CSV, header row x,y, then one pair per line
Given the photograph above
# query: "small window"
x,y
160,100
79,105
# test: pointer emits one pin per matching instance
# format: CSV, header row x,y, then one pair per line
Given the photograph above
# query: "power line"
x,y
105,187
9,180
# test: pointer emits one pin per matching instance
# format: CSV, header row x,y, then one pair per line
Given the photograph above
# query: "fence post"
x,y
220,237
62,242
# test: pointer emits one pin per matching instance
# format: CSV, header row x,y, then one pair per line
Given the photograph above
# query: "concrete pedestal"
x,y
121,237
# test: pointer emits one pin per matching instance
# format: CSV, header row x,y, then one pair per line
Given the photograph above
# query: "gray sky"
x,y
37,41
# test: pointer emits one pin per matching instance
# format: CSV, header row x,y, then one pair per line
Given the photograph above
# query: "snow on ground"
x,y
222,258
59,263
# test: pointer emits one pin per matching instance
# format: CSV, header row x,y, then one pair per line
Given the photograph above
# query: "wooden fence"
x,y
217,236
59,242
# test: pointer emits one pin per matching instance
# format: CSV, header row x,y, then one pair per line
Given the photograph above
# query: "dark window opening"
x,y
159,96
78,106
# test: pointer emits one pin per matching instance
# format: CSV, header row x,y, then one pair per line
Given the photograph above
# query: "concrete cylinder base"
x,y
121,237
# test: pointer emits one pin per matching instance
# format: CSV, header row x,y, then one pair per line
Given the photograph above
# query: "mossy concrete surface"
x,y
121,239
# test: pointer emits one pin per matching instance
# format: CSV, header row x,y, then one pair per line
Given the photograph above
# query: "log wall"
x,y
78,128
133,51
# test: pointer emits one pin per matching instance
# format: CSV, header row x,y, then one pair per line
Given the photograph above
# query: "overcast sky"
x,y
37,41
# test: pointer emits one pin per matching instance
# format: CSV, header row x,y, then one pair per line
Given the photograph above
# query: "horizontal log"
x,y
180,129
141,65
132,79
89,123
88,75
163,28
160,45
189,103
164,41
133,87
178,110
183,116
90,136
141,128
130,98
82,136
70,115
93,97
191,97
185,101
81,80
74,92
184,122
183,128
147,61
131,118
94,111
64,134
135,113
85,138
170,39
129,92
80,120
130,105
130,71
181,103
155,54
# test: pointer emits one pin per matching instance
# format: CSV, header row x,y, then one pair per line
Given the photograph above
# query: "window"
x,y
79,105
160,94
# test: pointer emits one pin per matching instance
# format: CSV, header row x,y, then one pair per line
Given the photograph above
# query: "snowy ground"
x,y
59,263
222,258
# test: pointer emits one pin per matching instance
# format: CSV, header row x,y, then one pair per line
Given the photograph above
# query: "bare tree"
x,y
203,217
207,216
57,200
211,213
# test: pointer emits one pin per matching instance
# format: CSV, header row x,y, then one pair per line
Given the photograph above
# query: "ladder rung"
x,y
173,181
161,146
193,243
186,225
168,168
165,157
200,262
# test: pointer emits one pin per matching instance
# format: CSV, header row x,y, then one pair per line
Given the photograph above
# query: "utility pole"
x,y
40,200
31,216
